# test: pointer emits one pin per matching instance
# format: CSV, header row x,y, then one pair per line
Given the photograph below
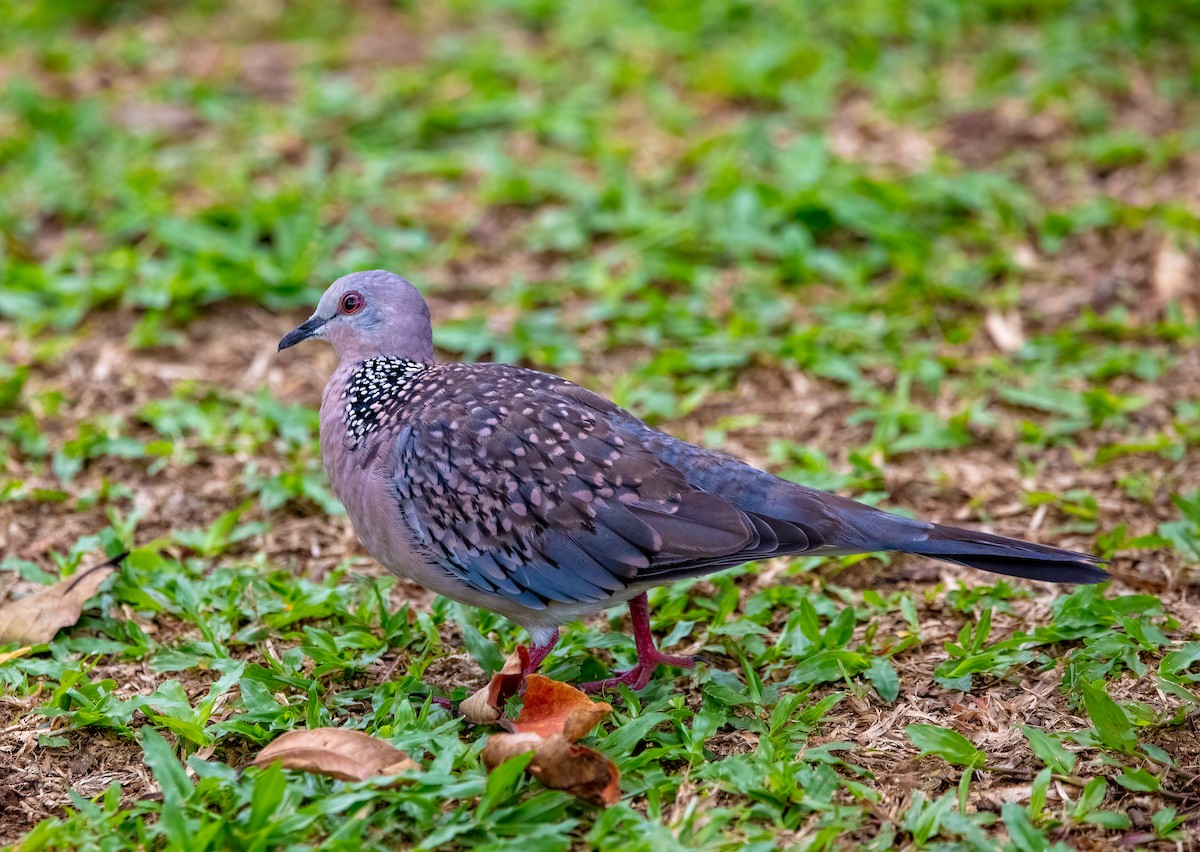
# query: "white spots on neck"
x,y
376,392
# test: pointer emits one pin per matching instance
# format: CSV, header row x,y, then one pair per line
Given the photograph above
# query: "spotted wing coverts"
x,y
527,486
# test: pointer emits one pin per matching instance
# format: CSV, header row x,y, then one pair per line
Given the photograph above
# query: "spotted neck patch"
x,y
376,392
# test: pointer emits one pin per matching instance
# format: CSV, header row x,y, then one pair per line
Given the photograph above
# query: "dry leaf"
x,y
478,709
554,715
560,765
1173,274
487,705
552,707
509,680
36,618
500,747
335,752
1005,329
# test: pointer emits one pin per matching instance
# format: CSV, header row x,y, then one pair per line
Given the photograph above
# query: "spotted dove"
x,y
525,494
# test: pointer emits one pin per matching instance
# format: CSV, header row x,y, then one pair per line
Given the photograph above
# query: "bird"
x,y
525,494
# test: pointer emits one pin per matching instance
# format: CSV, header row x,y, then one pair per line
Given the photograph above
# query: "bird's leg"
x,y
649,657
541,646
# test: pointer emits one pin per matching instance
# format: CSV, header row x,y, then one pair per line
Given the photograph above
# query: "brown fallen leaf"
x,y
560,765
553,717
487,705
335,752
478,710
36,618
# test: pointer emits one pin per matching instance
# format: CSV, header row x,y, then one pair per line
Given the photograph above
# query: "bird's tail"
x,y
803,520
1008,556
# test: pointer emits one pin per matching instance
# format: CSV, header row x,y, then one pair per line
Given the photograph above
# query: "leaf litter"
x,y
486,706
340,753
553,718
35,619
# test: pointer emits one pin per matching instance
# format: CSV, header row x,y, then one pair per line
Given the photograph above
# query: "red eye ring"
x,y
352,302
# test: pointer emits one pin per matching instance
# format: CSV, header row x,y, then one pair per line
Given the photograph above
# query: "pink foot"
x,y
649,657
639,676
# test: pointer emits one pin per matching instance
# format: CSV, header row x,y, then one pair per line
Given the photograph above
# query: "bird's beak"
x,y
302,332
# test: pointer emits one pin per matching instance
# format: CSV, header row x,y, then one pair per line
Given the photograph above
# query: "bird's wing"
x,y
526,486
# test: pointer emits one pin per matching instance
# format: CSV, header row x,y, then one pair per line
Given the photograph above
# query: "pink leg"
x,y
539,652
649,657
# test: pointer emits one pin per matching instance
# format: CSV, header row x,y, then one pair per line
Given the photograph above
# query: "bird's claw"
x,y
639,676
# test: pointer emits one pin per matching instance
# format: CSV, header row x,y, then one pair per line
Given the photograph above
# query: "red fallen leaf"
x,y
553,717
552,707
507,682
340,753
36,618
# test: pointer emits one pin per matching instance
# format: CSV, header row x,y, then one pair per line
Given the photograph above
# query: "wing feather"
x,y
526,486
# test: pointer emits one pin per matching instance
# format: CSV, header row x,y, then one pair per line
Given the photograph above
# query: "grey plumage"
x,y
525,486
522,492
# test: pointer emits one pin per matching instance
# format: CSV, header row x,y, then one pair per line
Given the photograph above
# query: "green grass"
x,y
776,228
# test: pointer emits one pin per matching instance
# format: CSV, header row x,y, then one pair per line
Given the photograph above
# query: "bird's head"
x,y
370,315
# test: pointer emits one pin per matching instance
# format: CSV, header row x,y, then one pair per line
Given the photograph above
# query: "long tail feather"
x,y
1008,556
795,519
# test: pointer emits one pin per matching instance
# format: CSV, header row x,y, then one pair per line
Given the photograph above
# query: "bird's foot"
x,y
638,676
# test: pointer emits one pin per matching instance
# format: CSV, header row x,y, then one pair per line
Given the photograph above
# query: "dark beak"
x,y
301,333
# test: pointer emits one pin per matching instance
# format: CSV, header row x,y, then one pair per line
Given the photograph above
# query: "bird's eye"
x,y
352,302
